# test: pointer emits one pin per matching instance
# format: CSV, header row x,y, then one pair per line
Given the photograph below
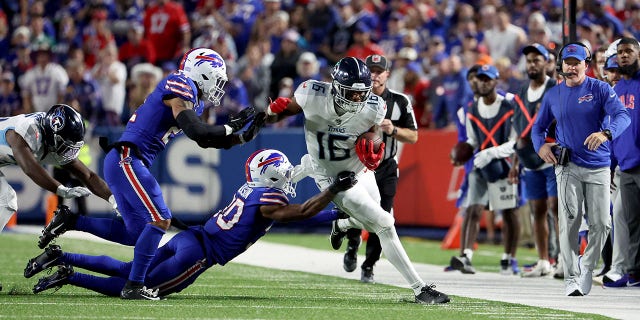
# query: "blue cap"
x,y
574,51
362,27
489,71
414,66
612,62
538,48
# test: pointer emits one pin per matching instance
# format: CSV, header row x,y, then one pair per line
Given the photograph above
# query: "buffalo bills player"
x,y
173,107
262,200
52,138
336,113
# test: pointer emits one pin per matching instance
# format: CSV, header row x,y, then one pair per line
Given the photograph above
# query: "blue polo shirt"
x,y
581,111
626,148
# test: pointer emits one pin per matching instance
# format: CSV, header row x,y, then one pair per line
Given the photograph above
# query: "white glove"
x,y
114,205
483,157
306,168
70,193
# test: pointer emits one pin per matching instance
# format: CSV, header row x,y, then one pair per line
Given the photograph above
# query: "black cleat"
x,y
463,264
367,275
350,261
49,258
336,236
429,295
139,293
63,220
56,280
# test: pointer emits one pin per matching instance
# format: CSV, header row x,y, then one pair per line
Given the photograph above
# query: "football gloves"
x,y
70,193
243,117
485,156
371,159
277,106
253,129
343,181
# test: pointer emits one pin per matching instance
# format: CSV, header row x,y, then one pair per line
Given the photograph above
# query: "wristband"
x,y
269,112
394,132
228,130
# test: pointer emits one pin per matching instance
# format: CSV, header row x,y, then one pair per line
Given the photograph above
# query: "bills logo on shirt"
x,y
585,98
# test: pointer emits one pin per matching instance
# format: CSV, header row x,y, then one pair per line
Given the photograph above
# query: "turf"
x,y
242,292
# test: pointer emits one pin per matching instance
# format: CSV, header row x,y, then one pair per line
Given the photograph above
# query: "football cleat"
x,y
139,293
463,264
63,220
350,261
49,258
367,275
56,280
336,236
542,268
428,295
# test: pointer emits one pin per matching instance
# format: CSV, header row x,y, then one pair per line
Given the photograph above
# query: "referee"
x,y
399,125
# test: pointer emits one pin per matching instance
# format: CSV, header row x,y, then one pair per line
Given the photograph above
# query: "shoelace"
x,y
430,289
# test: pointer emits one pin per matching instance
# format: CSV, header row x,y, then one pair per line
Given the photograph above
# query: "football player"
x,y
174,107
52,138
336,113
262,200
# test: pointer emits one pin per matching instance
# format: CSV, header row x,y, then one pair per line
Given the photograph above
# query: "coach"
x,y
582,107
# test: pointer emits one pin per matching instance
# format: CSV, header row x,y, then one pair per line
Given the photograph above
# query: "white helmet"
x,y
271,169
207,69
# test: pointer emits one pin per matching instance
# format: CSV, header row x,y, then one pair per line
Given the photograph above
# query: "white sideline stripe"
x,y
619,303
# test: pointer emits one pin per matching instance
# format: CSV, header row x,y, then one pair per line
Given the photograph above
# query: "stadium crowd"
x,y
103,57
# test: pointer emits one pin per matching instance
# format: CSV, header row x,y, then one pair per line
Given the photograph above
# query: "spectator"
x,y
405,56
68,37
111,75
10,102
284,62
307,67
255,73
417,88
82,93
45,84
340,36
136,49
503,39
96,36
144,78
172,37
362,46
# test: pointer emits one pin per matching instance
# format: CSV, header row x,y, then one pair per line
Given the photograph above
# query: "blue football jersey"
x,y
234,229
152,126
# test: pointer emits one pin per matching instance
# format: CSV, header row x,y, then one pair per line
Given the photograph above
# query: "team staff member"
x,y
582,107
625,267
489,131
540,180
399,125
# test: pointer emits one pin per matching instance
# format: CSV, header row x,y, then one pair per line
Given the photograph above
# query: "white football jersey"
x,y
26,125
331,138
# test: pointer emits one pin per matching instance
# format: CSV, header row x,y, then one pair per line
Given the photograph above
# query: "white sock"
x,y
468,253
393,250
506,256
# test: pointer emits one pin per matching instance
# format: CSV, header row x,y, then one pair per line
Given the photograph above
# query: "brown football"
x,y
377,140
461,152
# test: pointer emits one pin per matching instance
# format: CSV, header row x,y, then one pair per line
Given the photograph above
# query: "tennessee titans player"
x,y
172,108
229,232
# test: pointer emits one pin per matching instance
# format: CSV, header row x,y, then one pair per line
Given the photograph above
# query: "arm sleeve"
x,y
471,135
199,131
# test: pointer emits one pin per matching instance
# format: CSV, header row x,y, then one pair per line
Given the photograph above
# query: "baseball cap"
x,y
538,48
612,62
414,66
574,51
8,76
489,71
376,60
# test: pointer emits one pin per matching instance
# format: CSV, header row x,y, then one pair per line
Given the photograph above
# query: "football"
x,y
461,153
377,140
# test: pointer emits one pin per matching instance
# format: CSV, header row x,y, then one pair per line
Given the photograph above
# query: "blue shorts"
x,y
540,184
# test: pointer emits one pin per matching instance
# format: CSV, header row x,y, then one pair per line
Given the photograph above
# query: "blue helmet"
x,y
351,84
63,132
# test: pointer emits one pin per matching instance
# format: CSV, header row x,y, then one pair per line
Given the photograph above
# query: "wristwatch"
x,y
607,133
395,130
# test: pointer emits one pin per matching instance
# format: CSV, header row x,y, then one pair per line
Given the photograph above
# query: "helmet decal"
x,y
56,121
214,59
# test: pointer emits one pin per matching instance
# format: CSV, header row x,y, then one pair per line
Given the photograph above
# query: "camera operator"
x,y
589,114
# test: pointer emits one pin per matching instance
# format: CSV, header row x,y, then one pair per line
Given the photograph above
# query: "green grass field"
x,y
242,292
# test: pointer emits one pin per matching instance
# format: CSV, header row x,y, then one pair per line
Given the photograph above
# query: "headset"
x,y
559,57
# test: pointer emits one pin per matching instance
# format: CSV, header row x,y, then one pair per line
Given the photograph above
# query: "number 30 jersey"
x,y
235,228
331,138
